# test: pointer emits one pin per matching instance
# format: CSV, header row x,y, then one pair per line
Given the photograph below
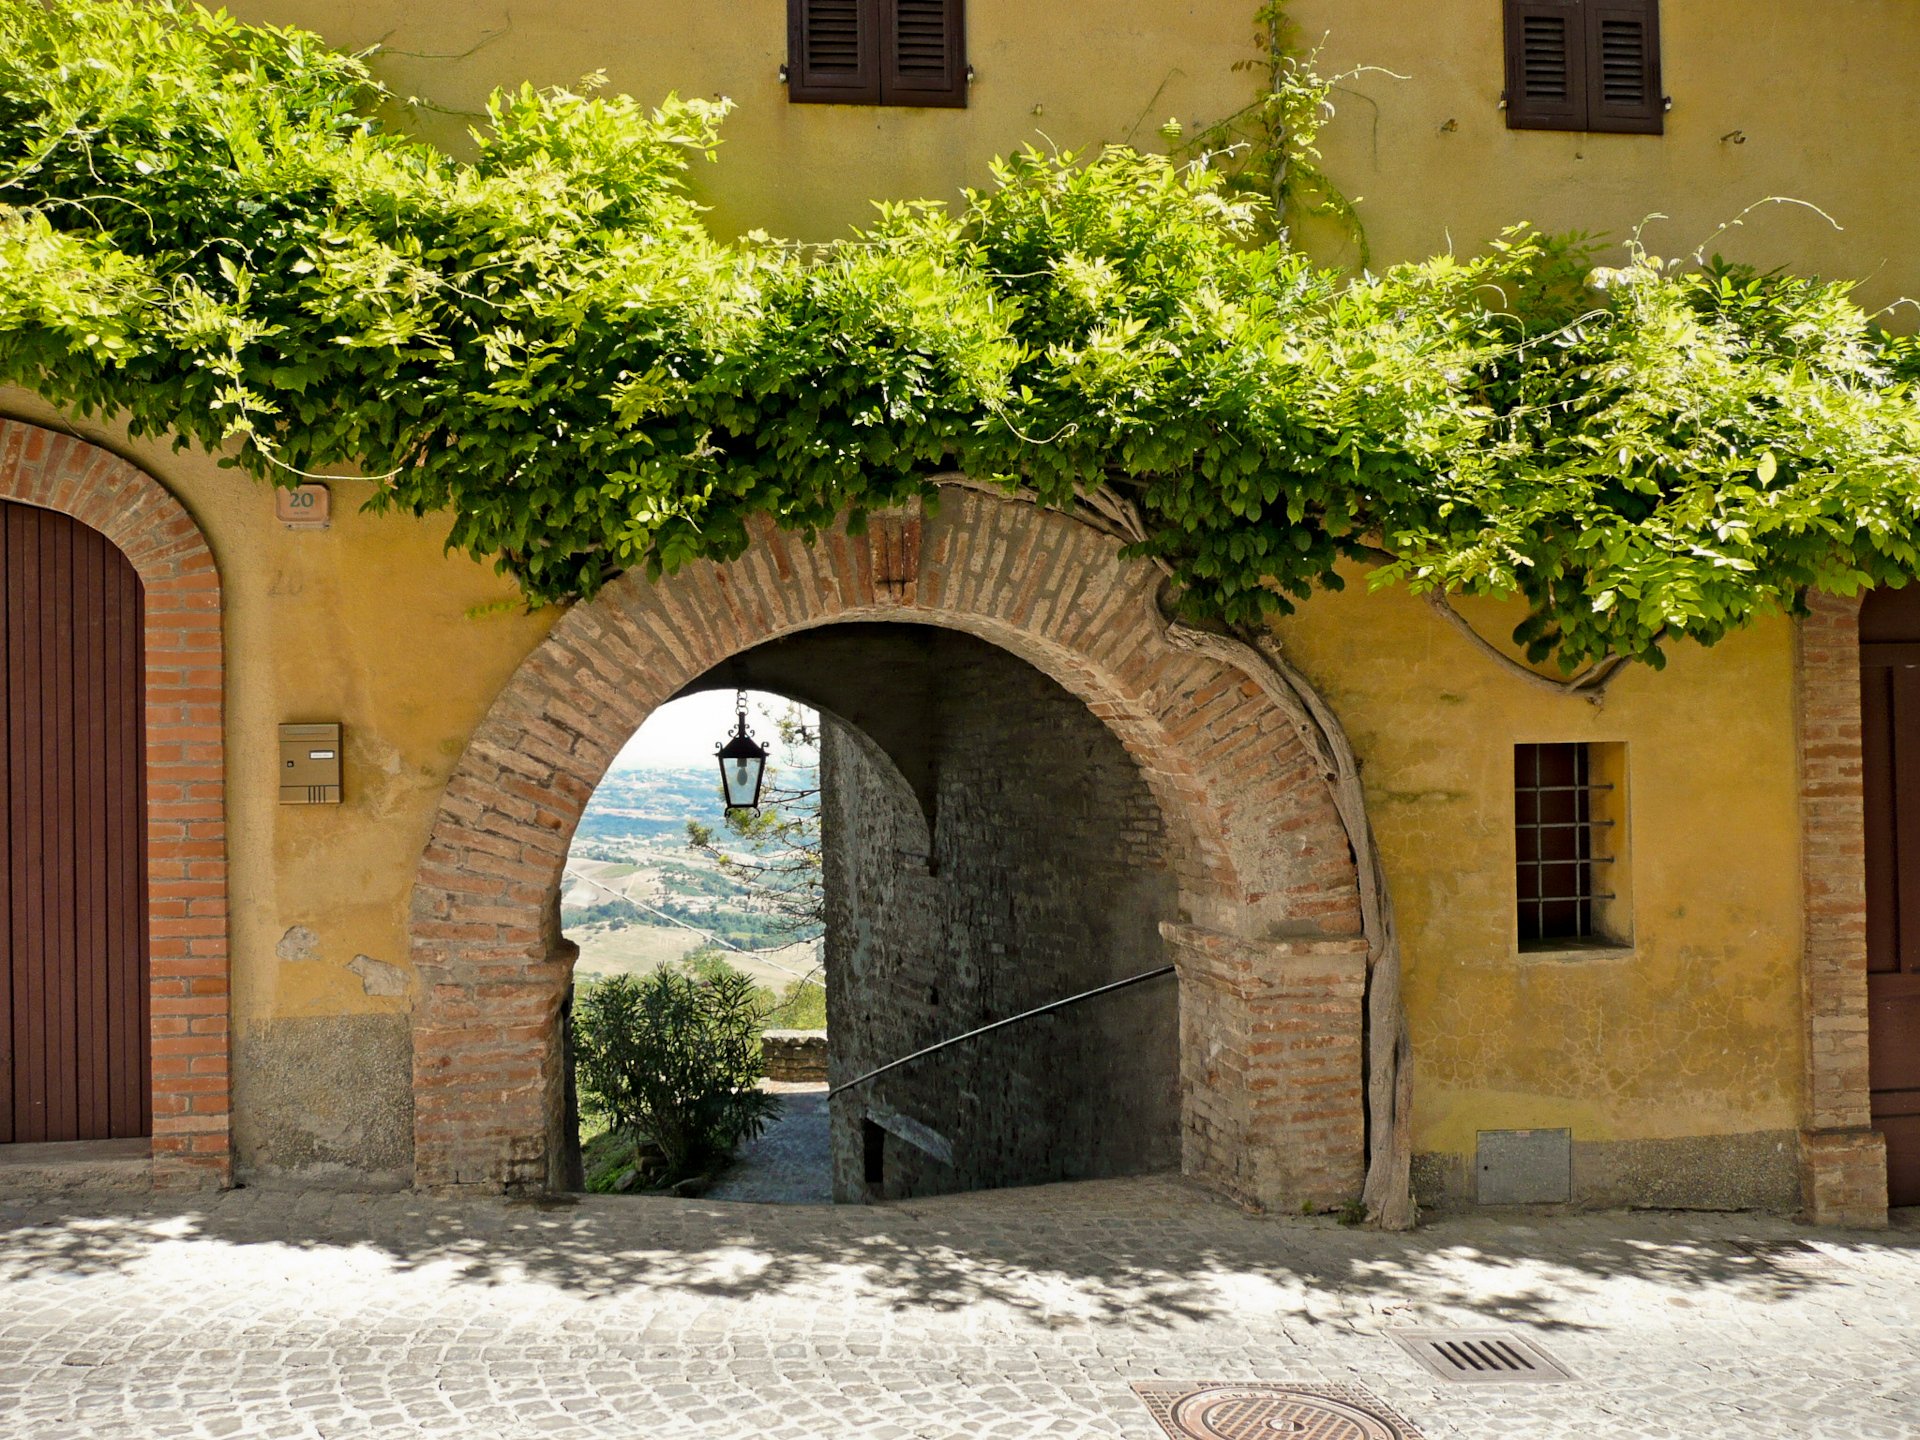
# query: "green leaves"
x,y
674,1056
548,344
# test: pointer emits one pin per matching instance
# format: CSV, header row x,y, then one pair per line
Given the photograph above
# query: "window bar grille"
x,y
1559,878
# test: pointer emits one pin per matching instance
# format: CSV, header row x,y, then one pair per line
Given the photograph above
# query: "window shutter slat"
x,y
923,56
1623,37
833,51
1546,65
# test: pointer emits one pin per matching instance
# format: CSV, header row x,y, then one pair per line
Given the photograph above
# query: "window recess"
x,y
1584,65
877,52
1570,845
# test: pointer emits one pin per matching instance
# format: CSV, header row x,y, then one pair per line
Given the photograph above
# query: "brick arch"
x,y
186,779
1271,957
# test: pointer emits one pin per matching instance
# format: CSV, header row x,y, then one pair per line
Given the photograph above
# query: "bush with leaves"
x,y
202,230
800,1005
672,1059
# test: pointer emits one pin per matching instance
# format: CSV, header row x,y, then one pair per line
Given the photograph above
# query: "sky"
x,y
688,731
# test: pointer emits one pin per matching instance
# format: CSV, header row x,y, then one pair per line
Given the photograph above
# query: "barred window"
x,y
1568,843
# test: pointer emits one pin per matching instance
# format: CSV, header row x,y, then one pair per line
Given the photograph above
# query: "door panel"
x,y
74,1048
1893,1055
1903,1157
1890,742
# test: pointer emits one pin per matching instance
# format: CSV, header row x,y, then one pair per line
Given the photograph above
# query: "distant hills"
x,y
637,895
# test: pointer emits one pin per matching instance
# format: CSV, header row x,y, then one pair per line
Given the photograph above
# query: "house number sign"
x,y
309,507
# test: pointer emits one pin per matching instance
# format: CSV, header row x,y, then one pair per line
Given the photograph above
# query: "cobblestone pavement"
x,y
1018,1314
791,1162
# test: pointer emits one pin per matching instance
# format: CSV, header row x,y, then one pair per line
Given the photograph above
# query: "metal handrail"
x,y
1002,1024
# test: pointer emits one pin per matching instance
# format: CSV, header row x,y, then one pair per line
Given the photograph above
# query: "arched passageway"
x,y
989,847
1266,917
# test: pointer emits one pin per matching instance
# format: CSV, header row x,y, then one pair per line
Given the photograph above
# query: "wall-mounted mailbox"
x,y
309,764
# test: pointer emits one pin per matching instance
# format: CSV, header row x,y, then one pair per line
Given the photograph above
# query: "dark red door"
x,y
1890,735
74,1057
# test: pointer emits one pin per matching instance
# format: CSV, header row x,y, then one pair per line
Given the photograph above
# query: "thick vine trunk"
x,y
1388,1195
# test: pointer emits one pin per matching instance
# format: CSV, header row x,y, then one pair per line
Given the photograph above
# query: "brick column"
x,y
1272,1066
1843,1161
489,1076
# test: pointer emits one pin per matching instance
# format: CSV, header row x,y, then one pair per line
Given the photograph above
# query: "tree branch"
x,y
1590,684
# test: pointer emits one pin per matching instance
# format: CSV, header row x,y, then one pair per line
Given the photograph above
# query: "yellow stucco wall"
x,y
1807,99
365,623
1692,1030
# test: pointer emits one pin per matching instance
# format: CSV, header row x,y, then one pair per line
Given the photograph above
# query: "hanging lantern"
x,y
743,764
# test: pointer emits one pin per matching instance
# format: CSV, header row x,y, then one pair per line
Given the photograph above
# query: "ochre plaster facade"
x,y
1693,1034
1799,100
1710,1045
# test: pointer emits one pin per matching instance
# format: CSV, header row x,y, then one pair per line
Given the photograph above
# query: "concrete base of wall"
x,y
76,1165
327,1101
1844,1177
1759,1171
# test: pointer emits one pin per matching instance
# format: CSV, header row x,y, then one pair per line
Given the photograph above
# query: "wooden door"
x,y
1890,736
74,1049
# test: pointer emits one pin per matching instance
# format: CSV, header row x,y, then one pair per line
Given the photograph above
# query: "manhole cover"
x,y
1223,1410
1482,1357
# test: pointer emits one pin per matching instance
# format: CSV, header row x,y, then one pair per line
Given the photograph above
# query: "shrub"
x,y
671,1058
802,1005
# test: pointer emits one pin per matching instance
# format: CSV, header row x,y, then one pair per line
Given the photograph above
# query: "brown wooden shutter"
x,y
1584,65
1623,63
1546,65
924,53
833,51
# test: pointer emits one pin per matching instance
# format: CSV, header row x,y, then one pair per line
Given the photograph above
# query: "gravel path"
x,y
790,1164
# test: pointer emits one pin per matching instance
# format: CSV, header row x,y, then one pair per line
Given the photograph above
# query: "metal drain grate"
x,y
1230,1410
1482,1357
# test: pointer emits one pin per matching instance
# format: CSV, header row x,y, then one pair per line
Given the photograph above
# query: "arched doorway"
x,y
988,848
73,884
1266,934
154,799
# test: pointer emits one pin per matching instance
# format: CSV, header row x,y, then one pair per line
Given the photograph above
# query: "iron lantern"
x,y
743,765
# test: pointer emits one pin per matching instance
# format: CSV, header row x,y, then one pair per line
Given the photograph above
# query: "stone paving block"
x,y
1015,1313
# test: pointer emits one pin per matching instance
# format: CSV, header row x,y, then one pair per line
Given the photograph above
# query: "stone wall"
x,y
794,1056
1043,874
